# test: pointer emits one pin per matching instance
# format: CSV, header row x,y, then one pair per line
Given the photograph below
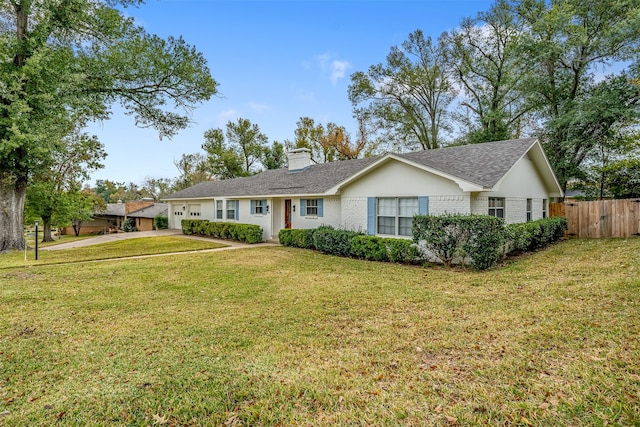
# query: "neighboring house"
x,y
110,220
509,179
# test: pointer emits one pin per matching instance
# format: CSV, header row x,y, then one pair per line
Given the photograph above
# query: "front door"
x,y
287,213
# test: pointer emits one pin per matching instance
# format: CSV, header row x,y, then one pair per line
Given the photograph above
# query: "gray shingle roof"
x,y
481,164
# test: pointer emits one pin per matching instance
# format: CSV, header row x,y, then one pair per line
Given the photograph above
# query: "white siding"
x,y
331,213
522,182
354,213
396,179
439,205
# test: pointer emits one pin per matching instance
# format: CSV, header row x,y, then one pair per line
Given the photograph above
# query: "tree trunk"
x,y
46,230
12,196
77,224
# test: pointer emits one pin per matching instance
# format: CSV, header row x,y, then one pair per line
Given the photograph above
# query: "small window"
x,y
496,207
312,207
231,209
219,209
258,207
545,204
528,210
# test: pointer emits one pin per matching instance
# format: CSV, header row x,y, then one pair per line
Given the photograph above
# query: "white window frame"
x,y
545,207
495,209
258,208
311,207
231,207
529,210
219,209
397,215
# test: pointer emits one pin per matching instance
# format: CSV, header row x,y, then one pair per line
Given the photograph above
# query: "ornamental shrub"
x,y
535,235
478,239
129,225
297,237
336,242
403,251
485,240
371,248
247,233
161,222
442,235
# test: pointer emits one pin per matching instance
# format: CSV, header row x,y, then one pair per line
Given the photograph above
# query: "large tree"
x,y
567,43
240,154
486,58
408,97
64,62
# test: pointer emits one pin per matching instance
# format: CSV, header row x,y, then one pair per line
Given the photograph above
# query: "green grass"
x,y
117,249
281,336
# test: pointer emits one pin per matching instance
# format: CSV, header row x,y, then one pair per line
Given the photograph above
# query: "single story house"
x,y
509,179
111,218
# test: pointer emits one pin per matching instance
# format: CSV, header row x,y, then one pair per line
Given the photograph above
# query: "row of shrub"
x,y
247,233
352,244
532,236
479,240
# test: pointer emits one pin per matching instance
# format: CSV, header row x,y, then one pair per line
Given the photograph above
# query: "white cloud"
x,y
338,70
259,108
225,116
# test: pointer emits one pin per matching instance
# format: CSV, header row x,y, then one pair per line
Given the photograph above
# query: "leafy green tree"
x,y
51,190
274,157
237,155
566,43
486,58
408,97
65,62
156,188
623,178
82,206
193,169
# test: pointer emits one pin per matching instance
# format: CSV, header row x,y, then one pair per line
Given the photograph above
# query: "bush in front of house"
x,y
334,241
535,235
476,238
352,244
129,225
247,233
297,237
160,222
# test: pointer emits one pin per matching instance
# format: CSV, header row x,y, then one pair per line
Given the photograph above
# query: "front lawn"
x,y
117,249
280,336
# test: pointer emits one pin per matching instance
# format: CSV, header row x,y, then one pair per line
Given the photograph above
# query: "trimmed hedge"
x,y
531,236
334,241
352,244
247,233
297,237
161,222
480,238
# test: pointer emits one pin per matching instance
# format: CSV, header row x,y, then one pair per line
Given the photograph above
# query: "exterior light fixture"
x,y
294,208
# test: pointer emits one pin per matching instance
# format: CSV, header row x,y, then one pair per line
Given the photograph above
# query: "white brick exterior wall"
x,y
439,205
354,213
331,213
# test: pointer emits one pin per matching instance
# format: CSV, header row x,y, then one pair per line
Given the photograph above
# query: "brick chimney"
x,y
299,159
136,206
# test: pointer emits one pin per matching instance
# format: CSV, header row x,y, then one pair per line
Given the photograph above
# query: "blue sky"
x,y
275,61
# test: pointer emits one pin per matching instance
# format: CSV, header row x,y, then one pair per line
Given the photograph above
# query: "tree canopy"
x,y
65,62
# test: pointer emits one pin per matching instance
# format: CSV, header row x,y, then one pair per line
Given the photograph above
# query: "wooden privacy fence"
x,y
600,218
